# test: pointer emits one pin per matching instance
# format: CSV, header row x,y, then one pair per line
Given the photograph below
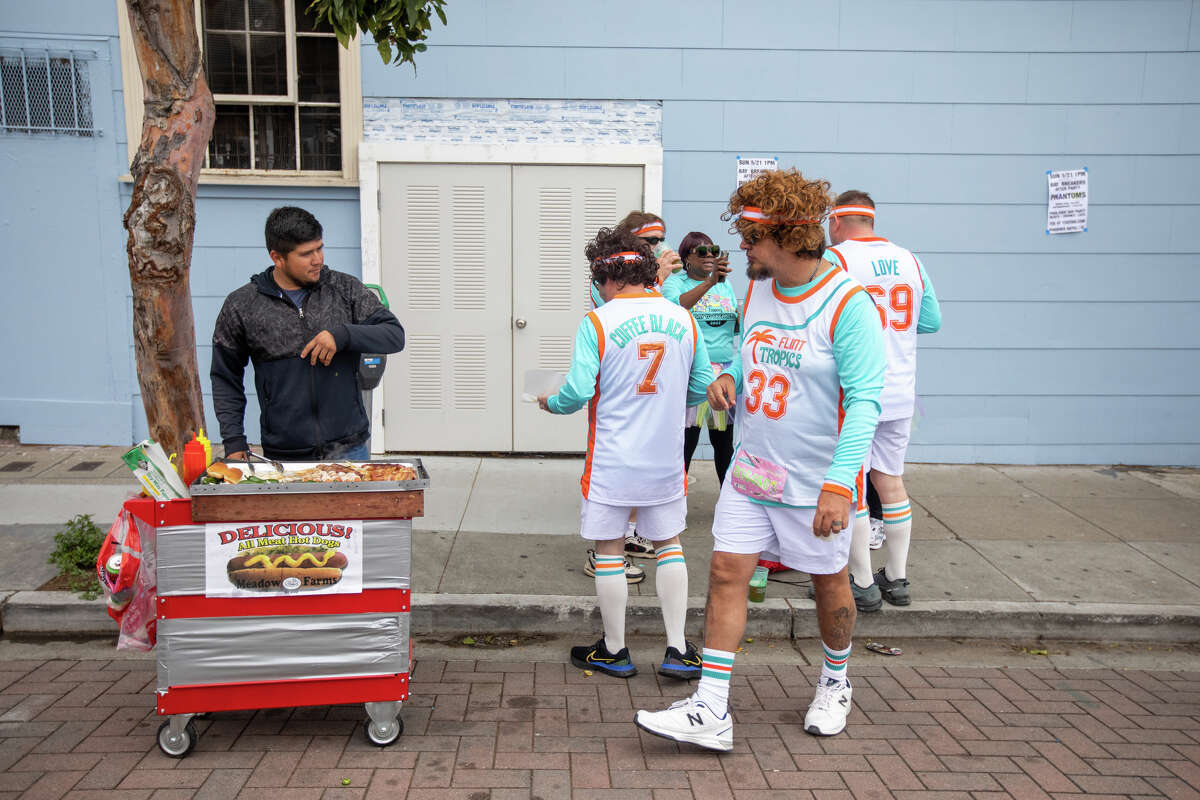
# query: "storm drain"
x,y
86,466
16,466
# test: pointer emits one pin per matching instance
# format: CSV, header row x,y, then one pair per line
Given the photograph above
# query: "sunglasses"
x,y
652,239
706,250
751,237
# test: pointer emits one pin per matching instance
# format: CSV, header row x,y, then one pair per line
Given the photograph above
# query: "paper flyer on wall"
x,y
1067,209
749,168
258,559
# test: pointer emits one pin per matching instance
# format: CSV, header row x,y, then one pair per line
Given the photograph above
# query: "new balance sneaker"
x,y
597,657
877,534
639,547
683,665
866,600
895,592
828,711
632,574
689,720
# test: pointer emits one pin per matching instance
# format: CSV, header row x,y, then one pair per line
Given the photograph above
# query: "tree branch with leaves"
x,y
399,25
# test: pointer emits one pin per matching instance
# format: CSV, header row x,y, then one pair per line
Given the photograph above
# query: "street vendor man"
x,y
303,327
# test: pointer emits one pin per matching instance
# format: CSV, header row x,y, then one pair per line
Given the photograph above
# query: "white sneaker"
x,y
877,534
828,711
689,720
638,546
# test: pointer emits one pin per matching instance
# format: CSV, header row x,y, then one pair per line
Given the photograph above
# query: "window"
x,y
322,101
44,91
275,79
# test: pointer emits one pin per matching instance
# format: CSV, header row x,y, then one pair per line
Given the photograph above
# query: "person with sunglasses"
x,y
638,362
651,229
701,288
807,380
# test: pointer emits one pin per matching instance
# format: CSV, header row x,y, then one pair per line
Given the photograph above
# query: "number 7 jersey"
x,y
649,362
894,279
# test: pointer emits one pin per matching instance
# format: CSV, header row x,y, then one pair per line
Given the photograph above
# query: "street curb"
x,y
45,613
449,614
63,613
997,619
437,614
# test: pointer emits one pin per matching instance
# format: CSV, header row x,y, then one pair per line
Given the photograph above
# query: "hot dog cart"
x,y
327,623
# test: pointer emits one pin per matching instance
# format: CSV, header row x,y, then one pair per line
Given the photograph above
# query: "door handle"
x,y
520,323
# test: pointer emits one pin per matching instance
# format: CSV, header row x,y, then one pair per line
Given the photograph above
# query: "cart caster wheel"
x,y
381,735
177,746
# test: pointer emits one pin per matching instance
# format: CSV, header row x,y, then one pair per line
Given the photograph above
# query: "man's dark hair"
x,y
288,227
610,241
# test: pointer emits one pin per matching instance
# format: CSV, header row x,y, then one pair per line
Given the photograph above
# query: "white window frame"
x,y
350,94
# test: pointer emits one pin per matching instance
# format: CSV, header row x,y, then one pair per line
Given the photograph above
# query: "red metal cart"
x,y
224,648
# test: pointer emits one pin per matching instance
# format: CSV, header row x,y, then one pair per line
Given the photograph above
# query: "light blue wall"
x,y
71,378
63,316
1076,348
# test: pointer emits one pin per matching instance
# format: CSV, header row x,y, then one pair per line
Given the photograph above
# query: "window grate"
x,y
44,91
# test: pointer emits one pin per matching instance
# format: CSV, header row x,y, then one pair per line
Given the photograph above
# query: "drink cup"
x,y
758,585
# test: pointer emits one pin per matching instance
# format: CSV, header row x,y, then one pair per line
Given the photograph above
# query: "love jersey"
x,y
892,276
635,418
790,410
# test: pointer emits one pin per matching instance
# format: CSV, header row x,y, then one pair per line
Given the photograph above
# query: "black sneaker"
x,y
866,600
597,657
895,592
684,666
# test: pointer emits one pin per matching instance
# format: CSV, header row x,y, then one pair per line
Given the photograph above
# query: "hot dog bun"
x,y
224,472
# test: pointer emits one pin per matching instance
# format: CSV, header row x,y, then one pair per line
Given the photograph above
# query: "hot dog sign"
x,y
253,559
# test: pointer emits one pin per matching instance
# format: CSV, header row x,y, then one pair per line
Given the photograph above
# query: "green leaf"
x,y
469,640
385,50
76,549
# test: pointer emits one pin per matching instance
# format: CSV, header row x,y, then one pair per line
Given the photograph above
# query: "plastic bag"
x,y
129,583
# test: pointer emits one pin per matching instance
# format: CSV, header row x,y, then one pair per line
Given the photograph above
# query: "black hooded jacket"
x,y
308,412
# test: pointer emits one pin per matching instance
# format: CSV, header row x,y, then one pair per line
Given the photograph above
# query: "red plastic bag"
x,y
128,585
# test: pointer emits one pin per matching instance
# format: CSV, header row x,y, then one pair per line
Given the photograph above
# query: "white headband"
x,y
853,211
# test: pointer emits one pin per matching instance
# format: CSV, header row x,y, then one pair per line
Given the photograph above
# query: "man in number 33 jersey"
x,y
806,382
903,294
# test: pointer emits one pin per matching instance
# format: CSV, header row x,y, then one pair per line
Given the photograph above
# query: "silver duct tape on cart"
x,y
256,649
225,645
212,650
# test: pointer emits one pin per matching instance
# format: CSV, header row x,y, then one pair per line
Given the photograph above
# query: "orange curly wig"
x,y
783,195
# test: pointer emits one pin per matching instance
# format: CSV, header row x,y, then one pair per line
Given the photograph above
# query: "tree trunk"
x,y
161,217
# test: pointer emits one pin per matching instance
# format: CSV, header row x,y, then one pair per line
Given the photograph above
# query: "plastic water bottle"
x,y
758,585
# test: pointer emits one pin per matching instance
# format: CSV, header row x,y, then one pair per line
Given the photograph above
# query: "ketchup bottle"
x,y
194,461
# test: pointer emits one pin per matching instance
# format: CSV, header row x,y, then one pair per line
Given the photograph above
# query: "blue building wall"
x,y
64,316
1076,348
71,377
1063,349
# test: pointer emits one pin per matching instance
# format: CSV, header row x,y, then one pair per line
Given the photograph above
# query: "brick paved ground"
x,y
86,729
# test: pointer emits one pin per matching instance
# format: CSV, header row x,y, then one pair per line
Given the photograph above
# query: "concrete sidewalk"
x,y
1016,551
